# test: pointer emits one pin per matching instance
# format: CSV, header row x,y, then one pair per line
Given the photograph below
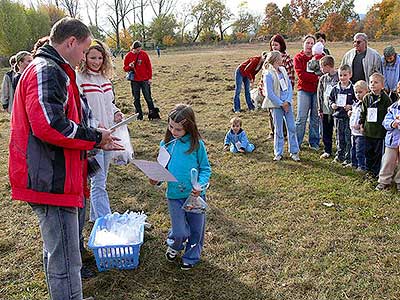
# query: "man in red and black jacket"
x,y
138,62
47,151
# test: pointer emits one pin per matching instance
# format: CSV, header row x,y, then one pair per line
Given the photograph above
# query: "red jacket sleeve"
x,y
127,60
248,68
147,63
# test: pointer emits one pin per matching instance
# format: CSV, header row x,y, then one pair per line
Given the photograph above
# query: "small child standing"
x,y
373,111
325,86
357,137
313,64
391,158
236,138
341,100
185,150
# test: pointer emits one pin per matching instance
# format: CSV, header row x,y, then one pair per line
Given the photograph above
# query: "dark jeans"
x,y
373,154
358,151
136,86
343,139
327,132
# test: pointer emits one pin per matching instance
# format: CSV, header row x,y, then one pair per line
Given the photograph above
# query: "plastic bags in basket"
x,y
195,204
123,157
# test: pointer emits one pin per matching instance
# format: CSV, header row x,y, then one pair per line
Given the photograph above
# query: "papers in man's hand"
x,y
154,170
123,122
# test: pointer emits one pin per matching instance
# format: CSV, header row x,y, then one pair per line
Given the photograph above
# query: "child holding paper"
x,y
183,149
341,100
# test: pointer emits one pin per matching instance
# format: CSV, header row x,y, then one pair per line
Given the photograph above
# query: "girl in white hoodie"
x,y
94,83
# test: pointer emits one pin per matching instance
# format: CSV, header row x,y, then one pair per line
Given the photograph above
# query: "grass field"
x,y
268,235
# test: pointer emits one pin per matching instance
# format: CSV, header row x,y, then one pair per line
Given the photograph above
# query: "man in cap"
x,y
138,62
391,71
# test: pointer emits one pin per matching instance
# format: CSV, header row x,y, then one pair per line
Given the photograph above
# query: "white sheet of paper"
x,y
163,156
341,100
238,145
372,114
123,122
154,170
328,91
283,84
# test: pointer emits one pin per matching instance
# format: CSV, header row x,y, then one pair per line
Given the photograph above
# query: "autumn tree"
x,y
343,8
161,26
335,26
302,27
272,20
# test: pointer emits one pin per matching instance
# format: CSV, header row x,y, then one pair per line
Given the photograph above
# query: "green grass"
x,y
268,234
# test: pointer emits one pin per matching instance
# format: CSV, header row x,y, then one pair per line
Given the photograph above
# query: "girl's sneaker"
x,y
325,155
295,156
278,158
186,267
171,254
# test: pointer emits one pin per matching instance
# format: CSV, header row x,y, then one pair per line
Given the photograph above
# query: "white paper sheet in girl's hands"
x,y
154,170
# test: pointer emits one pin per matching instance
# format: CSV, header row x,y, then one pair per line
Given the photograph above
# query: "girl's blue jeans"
x,y
99,202
280,117
187,231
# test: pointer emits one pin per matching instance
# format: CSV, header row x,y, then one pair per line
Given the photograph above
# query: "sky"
x,y
360,6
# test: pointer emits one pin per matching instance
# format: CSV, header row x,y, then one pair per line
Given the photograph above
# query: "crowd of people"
x,y
357,102
62,103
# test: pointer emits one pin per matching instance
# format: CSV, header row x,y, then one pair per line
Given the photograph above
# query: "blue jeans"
x,y
61,255
279,117
358,152
81,223
187,231
238,86
99,202
307,105
343,139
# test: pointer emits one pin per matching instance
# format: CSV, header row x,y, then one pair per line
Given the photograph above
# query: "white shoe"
x,y
295,156
278,158
325,155
171,254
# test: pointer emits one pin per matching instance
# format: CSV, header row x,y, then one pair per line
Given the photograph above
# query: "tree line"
x,y
173,22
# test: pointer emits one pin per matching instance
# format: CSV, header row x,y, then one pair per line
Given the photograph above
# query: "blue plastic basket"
x,y
123,257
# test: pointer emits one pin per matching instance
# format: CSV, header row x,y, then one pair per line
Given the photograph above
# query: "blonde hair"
x,y
272,57
379,76
106,68
236,120
362,84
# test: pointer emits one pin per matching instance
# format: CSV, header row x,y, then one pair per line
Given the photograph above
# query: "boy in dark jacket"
x,y
373,110
341,100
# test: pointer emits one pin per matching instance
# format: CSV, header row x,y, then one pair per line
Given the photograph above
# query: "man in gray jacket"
x,y
363,60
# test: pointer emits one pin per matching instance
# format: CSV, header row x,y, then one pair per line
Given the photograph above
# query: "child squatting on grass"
x,y
236,138
391,157
183,150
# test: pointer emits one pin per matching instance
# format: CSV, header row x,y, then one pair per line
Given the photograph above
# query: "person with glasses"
x,y
363,60
391,71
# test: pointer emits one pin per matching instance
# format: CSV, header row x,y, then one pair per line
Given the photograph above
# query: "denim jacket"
x,y
392,138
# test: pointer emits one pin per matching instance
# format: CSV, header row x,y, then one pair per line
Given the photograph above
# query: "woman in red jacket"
x,y
246,73
306,95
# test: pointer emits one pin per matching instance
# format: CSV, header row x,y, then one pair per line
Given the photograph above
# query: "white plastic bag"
x,y
256,97
195,204
123,157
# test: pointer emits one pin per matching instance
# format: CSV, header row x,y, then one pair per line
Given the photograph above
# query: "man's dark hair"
x,y
67,27
320,35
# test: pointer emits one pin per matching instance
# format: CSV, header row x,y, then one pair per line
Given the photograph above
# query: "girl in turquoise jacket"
x,y
185,150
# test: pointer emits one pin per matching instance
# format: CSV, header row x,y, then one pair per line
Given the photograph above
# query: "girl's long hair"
x,y
184,115
106,68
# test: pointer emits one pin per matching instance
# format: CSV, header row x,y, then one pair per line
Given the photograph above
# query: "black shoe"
x,y
86,272
154,114
171,254
140,117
